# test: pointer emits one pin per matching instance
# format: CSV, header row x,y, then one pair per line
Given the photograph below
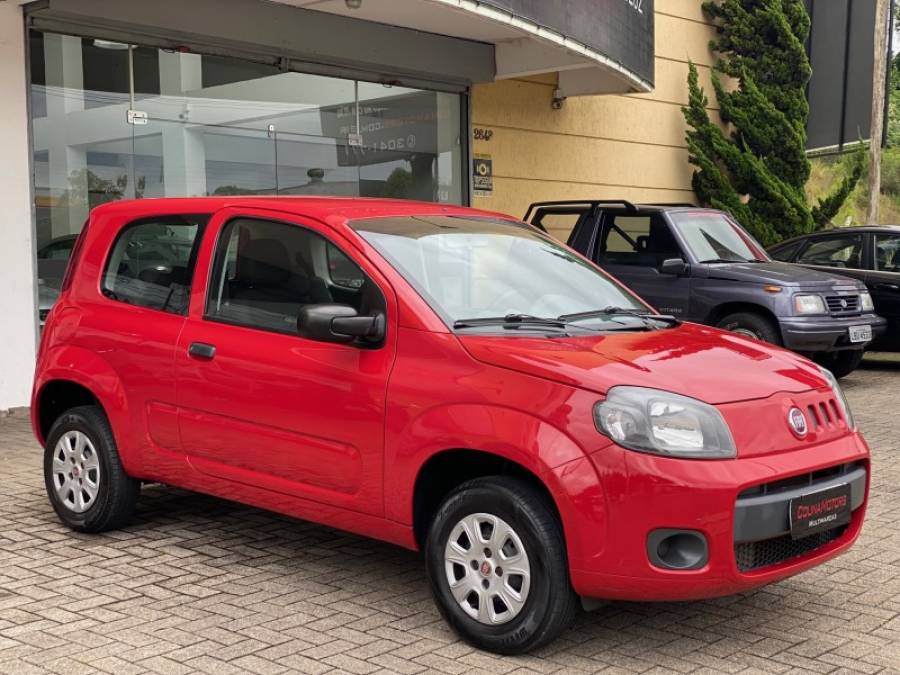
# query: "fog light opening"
x,y
677,549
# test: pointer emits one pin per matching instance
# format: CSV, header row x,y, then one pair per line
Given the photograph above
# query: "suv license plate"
x,y
860,333
820,511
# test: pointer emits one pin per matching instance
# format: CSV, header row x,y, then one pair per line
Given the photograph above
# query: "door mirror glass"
x,y
674,266
339,323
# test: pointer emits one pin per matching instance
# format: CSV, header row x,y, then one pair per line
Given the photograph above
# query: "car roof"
x,y
328,209
854,229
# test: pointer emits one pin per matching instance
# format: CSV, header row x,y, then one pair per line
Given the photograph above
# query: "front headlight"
x,y
865,302
662,423
809,304
839,395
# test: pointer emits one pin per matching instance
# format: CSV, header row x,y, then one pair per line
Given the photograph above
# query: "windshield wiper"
x,y
511,320
732,260
620,311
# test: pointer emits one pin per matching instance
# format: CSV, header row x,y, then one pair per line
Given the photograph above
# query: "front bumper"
x,y
646,493
826,333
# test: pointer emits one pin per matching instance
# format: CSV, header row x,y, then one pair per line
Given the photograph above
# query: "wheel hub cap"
x,y
746,332
487,568
76,471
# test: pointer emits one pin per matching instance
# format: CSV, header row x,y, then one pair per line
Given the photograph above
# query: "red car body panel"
x,y
370,420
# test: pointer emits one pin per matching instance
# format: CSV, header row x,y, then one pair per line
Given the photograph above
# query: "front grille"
x,y
842,304
758,554
802,480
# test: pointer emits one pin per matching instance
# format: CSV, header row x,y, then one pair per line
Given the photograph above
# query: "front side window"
x,y
478,268
643,241
840,251
342,271
266,271
787,252
152,263
887,252
713,238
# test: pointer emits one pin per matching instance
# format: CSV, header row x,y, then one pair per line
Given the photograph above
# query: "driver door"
x,y
631,247
258,404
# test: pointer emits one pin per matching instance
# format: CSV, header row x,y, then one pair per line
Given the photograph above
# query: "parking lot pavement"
x,y
202,585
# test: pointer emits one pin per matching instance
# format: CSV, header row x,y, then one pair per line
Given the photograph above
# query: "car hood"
x,y
781,274
692,360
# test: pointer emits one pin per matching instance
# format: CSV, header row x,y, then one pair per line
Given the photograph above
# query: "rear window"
x,y
152,263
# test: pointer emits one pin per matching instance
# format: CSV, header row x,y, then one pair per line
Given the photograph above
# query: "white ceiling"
x,y
417,14
521,48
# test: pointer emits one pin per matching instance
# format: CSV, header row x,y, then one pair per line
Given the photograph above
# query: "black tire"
x,y
115,492
550,604
841,363
753,325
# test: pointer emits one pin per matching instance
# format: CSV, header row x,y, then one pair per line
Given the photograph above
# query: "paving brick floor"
x,y
202,585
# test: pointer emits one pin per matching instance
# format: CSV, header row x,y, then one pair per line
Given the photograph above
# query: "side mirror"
x,y
339,323
675,266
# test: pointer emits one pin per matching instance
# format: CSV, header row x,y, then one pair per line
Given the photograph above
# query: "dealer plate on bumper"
x,y
820,511
860,333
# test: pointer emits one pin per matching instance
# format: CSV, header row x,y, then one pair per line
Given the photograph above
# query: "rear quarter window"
x,y
151,263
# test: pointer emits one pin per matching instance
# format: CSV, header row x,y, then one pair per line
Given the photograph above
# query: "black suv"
x,y
700,265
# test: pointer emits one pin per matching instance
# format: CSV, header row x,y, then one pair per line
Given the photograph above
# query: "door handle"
x,y
202,350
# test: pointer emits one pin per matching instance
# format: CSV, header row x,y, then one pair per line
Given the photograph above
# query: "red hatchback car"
x,y
448,380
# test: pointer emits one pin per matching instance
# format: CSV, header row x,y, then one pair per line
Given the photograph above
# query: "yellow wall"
x,y
604,147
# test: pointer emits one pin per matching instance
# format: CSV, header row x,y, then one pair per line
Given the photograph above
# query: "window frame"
x,y
608,225
108,293
220,250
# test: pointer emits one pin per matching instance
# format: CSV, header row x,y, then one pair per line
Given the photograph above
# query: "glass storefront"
x,y
210,125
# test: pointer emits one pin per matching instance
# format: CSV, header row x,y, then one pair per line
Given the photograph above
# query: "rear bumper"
x,y
748,539
826,334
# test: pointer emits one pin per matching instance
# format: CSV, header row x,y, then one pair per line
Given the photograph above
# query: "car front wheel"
x,y
496,561
754,326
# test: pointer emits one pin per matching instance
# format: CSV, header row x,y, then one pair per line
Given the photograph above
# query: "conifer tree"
x,y
755,167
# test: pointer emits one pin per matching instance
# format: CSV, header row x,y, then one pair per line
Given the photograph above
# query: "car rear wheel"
x,y
841,363
497,566
84,477
751,325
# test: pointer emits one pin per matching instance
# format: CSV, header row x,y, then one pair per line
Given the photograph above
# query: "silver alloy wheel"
x,y
487,568
76,471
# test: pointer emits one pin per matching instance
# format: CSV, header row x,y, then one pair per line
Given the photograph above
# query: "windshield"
x,y
712,237
468,268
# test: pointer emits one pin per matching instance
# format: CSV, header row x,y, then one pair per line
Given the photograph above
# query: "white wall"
x,y
18,325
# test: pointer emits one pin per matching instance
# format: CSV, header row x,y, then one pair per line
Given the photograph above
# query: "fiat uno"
x,y
448,380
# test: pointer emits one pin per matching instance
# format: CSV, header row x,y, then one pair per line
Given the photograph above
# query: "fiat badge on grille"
x,y
797,422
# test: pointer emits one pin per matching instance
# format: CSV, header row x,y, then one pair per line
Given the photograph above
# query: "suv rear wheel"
x,y
751,325
85,480
496,562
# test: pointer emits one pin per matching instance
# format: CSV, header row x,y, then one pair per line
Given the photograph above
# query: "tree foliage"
x,y
754,164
